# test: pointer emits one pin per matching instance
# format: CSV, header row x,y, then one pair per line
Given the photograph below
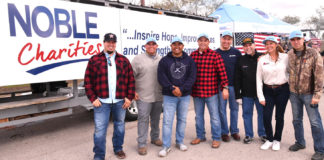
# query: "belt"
x,y
274,86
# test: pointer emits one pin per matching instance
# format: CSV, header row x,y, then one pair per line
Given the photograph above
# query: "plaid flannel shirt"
x,y
96,78
210,70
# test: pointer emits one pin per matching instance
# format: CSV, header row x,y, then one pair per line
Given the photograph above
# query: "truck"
x,y
47,43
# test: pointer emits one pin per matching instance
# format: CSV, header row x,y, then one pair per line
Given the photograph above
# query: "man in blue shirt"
x,y
230,56
177,75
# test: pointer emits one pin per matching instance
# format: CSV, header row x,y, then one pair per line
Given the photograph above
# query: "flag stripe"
x,y
258,40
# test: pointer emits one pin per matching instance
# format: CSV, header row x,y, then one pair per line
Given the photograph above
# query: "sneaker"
x,y
247,140
263,139
182,147
295,147
276,145
164,152
318,156
266,145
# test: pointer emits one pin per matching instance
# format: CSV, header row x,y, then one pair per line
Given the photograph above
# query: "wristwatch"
x,y
226,87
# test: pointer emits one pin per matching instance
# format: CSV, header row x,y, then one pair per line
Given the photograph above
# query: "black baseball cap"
x,y
110,37
247,40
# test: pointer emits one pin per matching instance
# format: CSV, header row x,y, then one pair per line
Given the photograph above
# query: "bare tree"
x,y
291,19
312,22
198,7
316,22
170,4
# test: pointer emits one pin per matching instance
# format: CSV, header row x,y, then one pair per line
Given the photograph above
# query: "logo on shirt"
x,y
265,63
244,67
178,70
232,55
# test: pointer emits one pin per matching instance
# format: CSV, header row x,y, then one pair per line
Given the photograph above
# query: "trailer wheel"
x,y
132,112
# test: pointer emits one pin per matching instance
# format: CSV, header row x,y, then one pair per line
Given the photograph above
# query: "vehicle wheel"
x,y
132,112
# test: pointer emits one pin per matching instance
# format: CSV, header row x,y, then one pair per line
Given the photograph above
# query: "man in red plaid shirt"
x,y
110,86
210,71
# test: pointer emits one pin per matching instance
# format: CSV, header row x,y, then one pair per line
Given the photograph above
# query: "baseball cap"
x,y
227,33
270,38
150,39
295,34
247,40
203,35
176,39
110,37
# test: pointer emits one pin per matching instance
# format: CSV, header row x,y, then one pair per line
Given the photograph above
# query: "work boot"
x,y
226,138
197,141
215,144
142,151
120,154
236,136
157,142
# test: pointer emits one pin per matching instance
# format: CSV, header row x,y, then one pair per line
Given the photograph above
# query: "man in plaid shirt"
x,y
210,71
110,86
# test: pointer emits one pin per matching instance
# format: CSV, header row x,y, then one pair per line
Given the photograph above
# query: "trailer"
x,y
48,43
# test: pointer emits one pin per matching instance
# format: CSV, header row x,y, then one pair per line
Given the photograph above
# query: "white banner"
x,y
52,40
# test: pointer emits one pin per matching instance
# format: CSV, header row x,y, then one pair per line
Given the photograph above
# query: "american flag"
x,y
258,39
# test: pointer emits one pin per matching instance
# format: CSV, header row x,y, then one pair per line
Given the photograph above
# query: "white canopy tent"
x,y
254,23
237,18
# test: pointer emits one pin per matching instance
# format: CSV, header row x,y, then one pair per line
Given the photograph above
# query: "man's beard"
x,y
110,52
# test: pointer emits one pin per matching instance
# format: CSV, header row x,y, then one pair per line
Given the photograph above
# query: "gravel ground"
x,y
70,138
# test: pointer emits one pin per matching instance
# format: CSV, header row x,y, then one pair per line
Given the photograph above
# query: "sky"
x,y
277,8
280,8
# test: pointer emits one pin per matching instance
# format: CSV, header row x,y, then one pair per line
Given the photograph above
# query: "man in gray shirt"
x,y
148,94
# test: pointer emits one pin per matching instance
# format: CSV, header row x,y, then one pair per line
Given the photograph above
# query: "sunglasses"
x,y
109,62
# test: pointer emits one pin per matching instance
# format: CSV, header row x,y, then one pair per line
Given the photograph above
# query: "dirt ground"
x,y
70,138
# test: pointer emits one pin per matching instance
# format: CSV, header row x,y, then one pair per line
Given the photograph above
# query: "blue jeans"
x,y
101,119
248,106
172,105
212,105
297,103
233,112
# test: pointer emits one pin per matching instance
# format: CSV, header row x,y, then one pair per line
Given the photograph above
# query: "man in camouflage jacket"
x,y
306,82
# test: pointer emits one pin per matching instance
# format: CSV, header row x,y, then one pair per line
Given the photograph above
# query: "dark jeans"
x,y
275,97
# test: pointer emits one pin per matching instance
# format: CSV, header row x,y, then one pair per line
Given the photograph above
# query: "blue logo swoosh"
x,y
41,69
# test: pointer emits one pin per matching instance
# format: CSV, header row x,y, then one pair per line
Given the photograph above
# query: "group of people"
x,y
211,78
